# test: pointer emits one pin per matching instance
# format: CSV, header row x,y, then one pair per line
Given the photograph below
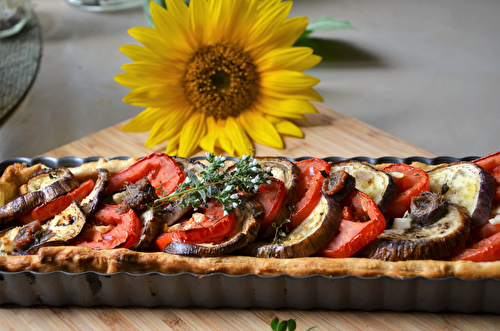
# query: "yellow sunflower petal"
x,y
199,21
207,143
144,121
153,73
291,58
128,80
306,94
168,25
298,106
138,53
265,26
242,15
285,36
268,5
224,141
168,126
150,38
179,10
238,136
154,96
273,107
192,132
260,129
287,81
285,127
173,145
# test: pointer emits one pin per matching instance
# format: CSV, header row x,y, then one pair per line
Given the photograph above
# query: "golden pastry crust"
x,y
79,259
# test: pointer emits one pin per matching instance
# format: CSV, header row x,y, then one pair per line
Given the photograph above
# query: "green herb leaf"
x,y
292,325
215,183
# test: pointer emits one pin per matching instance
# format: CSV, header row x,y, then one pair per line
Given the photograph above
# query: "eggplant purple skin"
x,y
424,249
310,244
486,193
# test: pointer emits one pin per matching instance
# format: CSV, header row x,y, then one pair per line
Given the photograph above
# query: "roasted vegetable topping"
x,y
264,207
427,208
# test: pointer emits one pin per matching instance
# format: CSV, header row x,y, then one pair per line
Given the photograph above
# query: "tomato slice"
x,y
57,205
109,229
362,222
272,197
161,170
411,182
309,192
491,163
485,231
486,250
213,226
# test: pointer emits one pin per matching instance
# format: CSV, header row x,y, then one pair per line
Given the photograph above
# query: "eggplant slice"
x,y
152,224
187,165
377,184
465,184
42,188
91,202
435,241
248,221
61,229
313,233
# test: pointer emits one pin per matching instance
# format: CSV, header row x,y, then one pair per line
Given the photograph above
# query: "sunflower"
x,y
219,75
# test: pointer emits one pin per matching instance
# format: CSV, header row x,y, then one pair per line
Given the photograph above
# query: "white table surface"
x,y
426,71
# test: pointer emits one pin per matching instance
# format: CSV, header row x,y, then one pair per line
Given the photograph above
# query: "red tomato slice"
x,y
486,250
117,230
214,228
491,163
413,182
362,222
485,231
309,191
272,197
57,205
161,170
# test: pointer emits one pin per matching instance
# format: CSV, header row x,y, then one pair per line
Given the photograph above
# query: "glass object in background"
x,y
104,5
13,16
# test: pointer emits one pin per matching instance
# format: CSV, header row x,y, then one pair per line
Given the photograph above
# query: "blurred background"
x,y
426,71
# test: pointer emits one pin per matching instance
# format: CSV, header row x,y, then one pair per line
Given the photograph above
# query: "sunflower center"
x,y
221,80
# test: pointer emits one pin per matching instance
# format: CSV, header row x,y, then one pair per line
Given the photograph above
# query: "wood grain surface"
x,y
328,133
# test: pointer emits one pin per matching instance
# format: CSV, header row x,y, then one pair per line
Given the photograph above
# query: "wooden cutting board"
x,y
328,133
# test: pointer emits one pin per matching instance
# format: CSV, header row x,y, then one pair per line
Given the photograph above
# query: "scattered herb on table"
x,y
286,325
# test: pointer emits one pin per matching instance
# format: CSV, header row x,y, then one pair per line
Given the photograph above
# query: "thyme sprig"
x,y
216,183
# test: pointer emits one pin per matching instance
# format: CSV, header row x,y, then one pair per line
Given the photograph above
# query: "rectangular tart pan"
x,y
154,289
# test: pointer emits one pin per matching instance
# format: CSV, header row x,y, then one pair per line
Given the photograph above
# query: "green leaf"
x,y
292,325
282,326
274,323
326,23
